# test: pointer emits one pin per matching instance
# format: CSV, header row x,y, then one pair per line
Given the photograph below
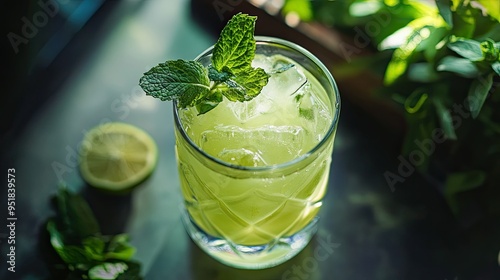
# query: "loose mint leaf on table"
x,y
119,248
115,270
70,254
230,75
75,236
75,215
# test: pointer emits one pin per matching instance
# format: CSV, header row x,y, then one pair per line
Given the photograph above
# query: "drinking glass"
x,y
250,208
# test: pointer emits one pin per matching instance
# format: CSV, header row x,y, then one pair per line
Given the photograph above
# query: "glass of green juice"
x,y
253,174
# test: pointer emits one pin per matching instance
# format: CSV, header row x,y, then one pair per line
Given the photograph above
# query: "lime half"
x,y
117,156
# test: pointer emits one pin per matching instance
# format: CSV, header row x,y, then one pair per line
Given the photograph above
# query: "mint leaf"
x,y
217,76
209,103
107,270
467,48
422,72
444,7
120,270
119,248
69,254
81,251
306,113
478,92
77,218
235,48
185,81
94,246
445,119
461,182
245,86
460,66
464,181
496,67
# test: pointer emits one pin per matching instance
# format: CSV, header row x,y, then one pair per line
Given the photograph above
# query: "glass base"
x,y
250,257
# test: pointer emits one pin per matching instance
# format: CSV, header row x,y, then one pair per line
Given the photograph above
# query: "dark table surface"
x,y
368,230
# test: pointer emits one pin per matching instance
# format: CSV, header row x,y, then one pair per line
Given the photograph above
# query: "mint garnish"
x,y
235,49
230,75
185,81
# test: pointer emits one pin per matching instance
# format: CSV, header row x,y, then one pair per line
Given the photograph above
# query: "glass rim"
x,y
286,164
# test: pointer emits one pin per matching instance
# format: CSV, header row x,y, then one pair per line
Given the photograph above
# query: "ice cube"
x,y
286,78
259,146
248,156
244,111
313,111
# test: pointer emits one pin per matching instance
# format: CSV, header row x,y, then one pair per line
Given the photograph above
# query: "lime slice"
x,y
117,156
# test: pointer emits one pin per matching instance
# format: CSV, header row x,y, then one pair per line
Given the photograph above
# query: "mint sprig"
x,y
81,251
230,75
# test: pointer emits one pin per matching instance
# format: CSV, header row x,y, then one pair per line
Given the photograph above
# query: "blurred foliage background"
x,y
440,62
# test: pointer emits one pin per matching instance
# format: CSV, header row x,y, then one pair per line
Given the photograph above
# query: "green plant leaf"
x,y
186,81
364,8
478,92
70,254
244,86
396,67
464,21
464,181
460,66
107,270
460,182
120,270
445,119
235,48
492,7
467,48
422,72
119,248
401,57
217,76
81,251
421,123
421,8
77,218
431,45
300,7
444,7
209,102
94,246
496,67
133,272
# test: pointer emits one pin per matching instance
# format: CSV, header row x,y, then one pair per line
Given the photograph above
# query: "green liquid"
x,y
288,119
